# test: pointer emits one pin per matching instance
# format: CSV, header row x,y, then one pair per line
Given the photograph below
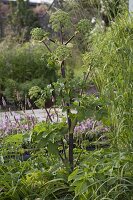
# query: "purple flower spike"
x,y
90,125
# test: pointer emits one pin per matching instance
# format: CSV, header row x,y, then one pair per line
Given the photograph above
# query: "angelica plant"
x,y
67,92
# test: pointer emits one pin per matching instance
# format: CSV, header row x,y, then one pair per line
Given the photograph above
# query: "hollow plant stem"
x,y
48,114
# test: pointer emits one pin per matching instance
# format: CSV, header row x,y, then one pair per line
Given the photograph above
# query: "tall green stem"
x,y
69,121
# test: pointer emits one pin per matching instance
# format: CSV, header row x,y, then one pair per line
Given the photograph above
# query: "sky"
x,y
131,5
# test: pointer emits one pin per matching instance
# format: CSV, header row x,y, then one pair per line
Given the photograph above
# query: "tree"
x,y
22,19
4,10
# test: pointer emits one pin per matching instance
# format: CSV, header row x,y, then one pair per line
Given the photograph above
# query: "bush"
x,y
23,66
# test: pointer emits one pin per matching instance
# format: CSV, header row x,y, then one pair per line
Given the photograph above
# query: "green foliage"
x,y
49,135
68,89
66,92
40,176
114,7
34,91
93,3
112,61
62,53
38,34
100,174
22,19
23,66
41,95
10,87
103,174
84,26
60,20
54,153
109,6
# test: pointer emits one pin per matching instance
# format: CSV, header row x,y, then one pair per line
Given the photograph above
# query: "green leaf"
x,y
73,174
1,159
52,148
81,188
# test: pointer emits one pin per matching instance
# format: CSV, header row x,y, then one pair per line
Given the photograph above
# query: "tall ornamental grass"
x,y
112,58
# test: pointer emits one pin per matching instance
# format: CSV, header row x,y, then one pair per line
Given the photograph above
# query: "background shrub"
x,y
23,66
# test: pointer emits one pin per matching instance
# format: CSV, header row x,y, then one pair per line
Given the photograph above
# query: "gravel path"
x,y
40,114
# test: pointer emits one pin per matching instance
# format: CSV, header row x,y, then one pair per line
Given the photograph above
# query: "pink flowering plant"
x,y
15,123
